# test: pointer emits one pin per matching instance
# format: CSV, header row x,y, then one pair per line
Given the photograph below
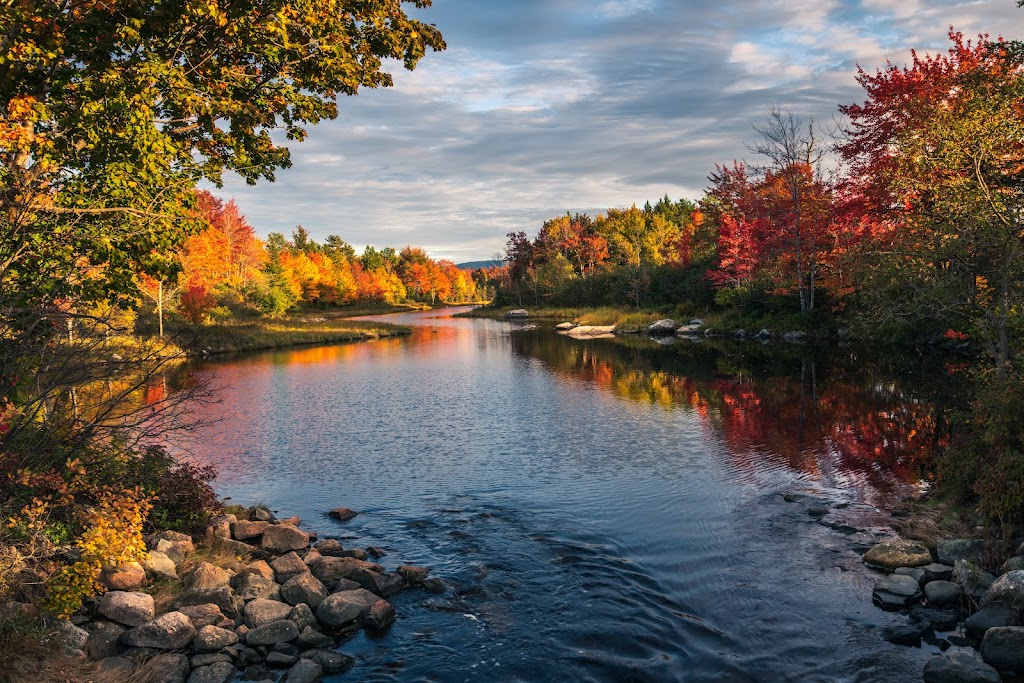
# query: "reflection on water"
x,y
604,509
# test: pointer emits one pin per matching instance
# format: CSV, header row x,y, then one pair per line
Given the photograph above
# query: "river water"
x,y
605,509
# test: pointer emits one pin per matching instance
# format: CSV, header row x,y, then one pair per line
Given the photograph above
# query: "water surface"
x,y
606,510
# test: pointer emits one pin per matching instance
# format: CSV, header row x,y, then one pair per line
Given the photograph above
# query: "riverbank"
x,y
300,330
255,596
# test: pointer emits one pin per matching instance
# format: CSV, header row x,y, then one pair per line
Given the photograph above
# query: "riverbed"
x,y
602,509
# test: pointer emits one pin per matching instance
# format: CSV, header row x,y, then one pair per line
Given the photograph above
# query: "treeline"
x,y
919,230
224,269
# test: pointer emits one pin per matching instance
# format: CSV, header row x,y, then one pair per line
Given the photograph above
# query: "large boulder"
x,y
123,577
959,666
304,588
218,672
414,576
103,639
159,566
304,671
895,592
205,576
330,569
381,583
222,597
130,609
664,326
272,633
1003,648
302,616
69,635
333,663
213,639
282,538
563,327
973,579
248,531
691,330
518,313
260,612
1007,591
220,526
204,615
898,553
249,586
287,566
380,616
311,638
951,550
990,617
169,631
346,608
942,593
173,544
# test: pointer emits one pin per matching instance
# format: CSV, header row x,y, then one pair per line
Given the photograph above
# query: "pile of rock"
x,y
278,618
939,594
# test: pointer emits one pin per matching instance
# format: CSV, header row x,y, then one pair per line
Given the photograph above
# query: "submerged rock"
x,y
959,666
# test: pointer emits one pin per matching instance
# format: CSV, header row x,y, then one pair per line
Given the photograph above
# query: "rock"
x,y
220,526
305,671
942,593
902,635
435,585
245,530
173,544
259,567
205,576
119,667
938,619
990,617
333,663
740,333
959,666
158,565
169,668
219,672
329,546
346,608
895,592
125,577
69,635
330,569
260,612
250,586
1003,648
954,549
382,584
169,631
209,658
795,337
664,326
281,538
414,576
345,585
103,639
294,520
690,331
130,609
817,511
287,566
938,572
898,553
518,313
237,548
311,556
260,513
203,615
342,514
972,578
915,573
1015,563
221,597
304,588
1006,591
763,334
302,616
565,326
380,616
311,638
274,632
357,553
212,638
280,659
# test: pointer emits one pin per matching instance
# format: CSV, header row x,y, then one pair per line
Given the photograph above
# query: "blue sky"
x,y
544,106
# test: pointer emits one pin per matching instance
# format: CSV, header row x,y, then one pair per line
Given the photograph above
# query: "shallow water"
x,y
603,509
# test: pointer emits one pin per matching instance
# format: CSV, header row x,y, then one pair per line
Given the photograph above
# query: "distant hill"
x,y
475,265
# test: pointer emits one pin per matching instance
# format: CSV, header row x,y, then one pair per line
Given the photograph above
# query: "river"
x,y
605,509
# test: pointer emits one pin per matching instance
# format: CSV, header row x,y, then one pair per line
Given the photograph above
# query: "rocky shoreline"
x,y
279,615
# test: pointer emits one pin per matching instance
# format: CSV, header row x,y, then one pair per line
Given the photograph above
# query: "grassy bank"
x,y
235,336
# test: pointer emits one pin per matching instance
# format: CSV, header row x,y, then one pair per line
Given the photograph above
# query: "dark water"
x,y
604,509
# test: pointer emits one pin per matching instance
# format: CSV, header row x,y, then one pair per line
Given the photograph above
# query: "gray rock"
x,y
221,597
260,612
1006,591
342,514
518,313
158,565
311,638
902,635
972,578
220,672
248,531
251,586
938,572
173,544
895,592
103,639
204,615
260,513
898,553
915,573
280,659
740,333
346,608
210,658
259,567
287,566
169,631
274,632
329,546
959,666
312,555
565,326
414,576
115,666
302,616
990,617
795,337
331,569
345,585
130,609
205,576
305,671
691,330
69,635
380,616
1003,648
169,668
938,619
212,639
220,526
1015,563
383,584
942,593
664,326
949,551
332,662
304,588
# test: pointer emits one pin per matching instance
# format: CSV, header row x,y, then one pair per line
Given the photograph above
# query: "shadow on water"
x,y
602,510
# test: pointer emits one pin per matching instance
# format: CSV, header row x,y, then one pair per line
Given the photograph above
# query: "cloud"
x,y
544,106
